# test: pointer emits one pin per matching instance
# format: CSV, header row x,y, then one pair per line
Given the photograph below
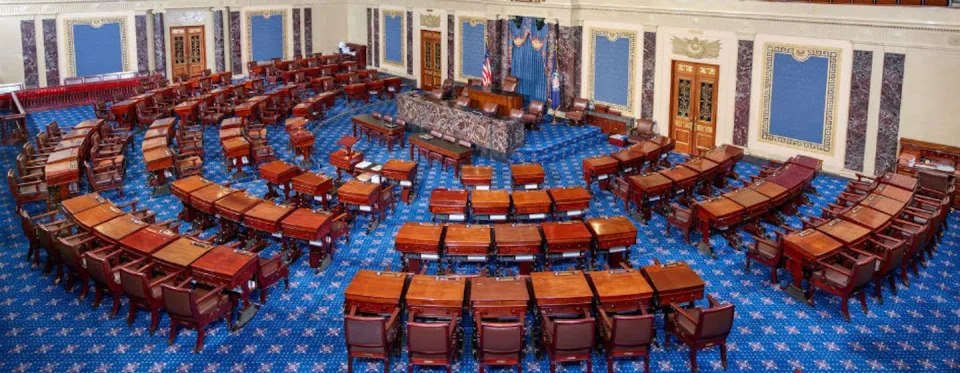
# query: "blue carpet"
x,y
47,329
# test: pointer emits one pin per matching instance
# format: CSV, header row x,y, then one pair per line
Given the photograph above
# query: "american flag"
x,y
487,73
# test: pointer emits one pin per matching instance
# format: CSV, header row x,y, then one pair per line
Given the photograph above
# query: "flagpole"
x,y
553,118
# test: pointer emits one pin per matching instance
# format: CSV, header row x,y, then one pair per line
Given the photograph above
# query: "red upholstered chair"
x,y
534,115
627,336
843,276
490,109
372,337
270,272
567,340
701,328
577,113
26,191
101,110
889,252
102,266
195,308
431,343
682,218
767,252
209,115
474,82
31,231
106,177
499,344
463,101
510,84
70,251
142,287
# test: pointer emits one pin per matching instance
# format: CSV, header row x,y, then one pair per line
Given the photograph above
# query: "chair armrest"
x,y
128,204
392,321
605,321
45,215
164,278
682,312
215,291
864,253
832,267
937,193
878,243
713,302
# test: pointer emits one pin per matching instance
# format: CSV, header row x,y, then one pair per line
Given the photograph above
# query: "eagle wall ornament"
x,y
696,48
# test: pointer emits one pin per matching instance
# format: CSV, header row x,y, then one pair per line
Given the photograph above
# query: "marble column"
x,y
493,46
218,47
859,103
570,40
741,106
296,33
308,31
50,54
28,40
649,67
236,59
376,37
451,20
506,54
409,42
890,96
369,36
159,45
143,63
549,64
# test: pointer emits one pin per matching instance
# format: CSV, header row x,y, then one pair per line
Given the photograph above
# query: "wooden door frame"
x,y
439,39
694,114
203,45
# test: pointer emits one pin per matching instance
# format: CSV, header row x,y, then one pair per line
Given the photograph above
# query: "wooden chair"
x,y
510,84
627,336
28,172
107,177
490,109
102,265
26,191
221,104
474,82
372,337
767,252
376,88
620,188
700,328
47,234
643,130
463,101
209,116
44,144
577,113
116,136
682,218
567,340
843,276
142,287
188,164
70,251
534,115
431,343
270,115
30,224
101,110
270,272
447,87
889,252
500,344
35,157
53,130
195,308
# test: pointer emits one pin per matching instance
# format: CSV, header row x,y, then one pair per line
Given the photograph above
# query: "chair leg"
x,y
116,306
693,360
349,364
845,308
97,296
646,364
154,320
877,290
863,300
553,367
893,284
173,332
201,333
131,315
589,365
609,364
723,355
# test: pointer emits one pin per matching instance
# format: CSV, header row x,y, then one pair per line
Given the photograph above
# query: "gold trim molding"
x,y
430,20
614,35
265,14
696,48
95,23
473,22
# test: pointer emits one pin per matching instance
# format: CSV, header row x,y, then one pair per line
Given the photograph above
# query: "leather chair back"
x,y
474,82
365,332
536,107
437,93
501,338
510,84
644,127
716,322
632,330
863,272
99,269
936,180
516,114
179,301
134,283
463,101
428,338
447,85
490,108
573,335
580,104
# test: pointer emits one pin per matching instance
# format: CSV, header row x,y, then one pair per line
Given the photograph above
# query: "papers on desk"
x,y
426,136
364,164
376,168
405,183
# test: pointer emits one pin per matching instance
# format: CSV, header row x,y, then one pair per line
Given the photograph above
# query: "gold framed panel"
x,y
613,35
403,41
473,21
248,29
95,23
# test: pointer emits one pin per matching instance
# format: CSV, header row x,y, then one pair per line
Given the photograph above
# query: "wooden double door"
x,y
189,51
693,106
430,60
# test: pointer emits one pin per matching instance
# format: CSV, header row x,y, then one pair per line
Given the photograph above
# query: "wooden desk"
x,y
891,191
203,199
793,177
499,297
154,143
404,173
802,250
619,290
66,155
674,282
506,101
223,266
726,156
479,177
754,203
569,201
805,161
417,242
158,133
599,168
237,149
867,217
229,133
566,240
527,175
848,233
883,204
459,154
719,213
315,186
266,216
94,216
77,204
777,193
145,242
683,178
374,292
392,131
521,243
182,189
179,254
472,242
646,188
707,171
278,173
449,204
312,227
612,236
118,228
436,296
490,205
900,181
363,197
344,160
610,124
234,205
531,204
562,293
158,160
630,162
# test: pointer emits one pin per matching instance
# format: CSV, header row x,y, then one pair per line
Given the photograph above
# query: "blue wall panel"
x,y
266,36
798,97
472,48
97,50
393,37
611,70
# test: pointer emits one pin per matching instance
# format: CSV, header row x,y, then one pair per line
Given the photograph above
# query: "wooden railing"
x,y
78,91
943,3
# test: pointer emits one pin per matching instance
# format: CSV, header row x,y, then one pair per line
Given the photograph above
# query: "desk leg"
x,y
249,310
286,191
795,288
411,152
704,245
271,194
160,185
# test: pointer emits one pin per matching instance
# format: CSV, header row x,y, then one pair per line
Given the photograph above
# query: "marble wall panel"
x,y
741,108
859,103
376,37
51,56
28,40
143,65
409,42
450,48
236,60
369,36
649,67
297,51
570,40
890,98
218,46
159,45
308,31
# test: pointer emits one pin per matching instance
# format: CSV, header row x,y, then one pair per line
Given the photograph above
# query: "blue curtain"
x,y
528,58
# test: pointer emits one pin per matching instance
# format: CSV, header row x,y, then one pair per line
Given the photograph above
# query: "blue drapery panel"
x,y
472,48
611,70
528,57
266,34
798,99
393,37
97,50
